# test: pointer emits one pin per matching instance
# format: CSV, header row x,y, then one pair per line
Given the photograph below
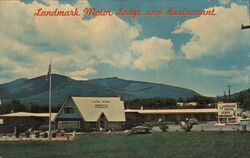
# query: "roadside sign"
x,y
229,109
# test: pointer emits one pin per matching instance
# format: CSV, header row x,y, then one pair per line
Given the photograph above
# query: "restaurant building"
x,y
91,114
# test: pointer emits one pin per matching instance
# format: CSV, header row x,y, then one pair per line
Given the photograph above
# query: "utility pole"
x,y
49,73
229,92
225,97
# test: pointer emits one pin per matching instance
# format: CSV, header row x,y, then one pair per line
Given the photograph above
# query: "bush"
x,y
188,129
45,135
53,135
27,135
17,135
202,129
37,135
164,128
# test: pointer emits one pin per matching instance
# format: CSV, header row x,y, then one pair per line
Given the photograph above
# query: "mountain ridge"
x,y
36,89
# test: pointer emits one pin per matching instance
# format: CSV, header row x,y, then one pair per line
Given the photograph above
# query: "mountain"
x,y
243,97
36,89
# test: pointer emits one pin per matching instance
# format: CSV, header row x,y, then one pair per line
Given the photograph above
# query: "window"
x,y
69,124
69,110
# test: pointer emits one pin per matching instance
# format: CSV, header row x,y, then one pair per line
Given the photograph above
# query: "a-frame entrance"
x,y
102,124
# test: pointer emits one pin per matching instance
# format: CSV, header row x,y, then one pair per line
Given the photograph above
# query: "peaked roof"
x,y
91,108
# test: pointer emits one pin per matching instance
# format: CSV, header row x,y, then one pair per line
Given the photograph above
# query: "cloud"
x,y
80,75
224,2
110,38
72,43
215,35
236,76
152,52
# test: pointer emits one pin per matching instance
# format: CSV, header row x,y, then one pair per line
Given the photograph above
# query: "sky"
x,y
202,53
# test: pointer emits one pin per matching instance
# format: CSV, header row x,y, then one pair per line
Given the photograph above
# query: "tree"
x,y
151,103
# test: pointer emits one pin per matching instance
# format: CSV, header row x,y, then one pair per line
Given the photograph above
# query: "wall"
x,y
115,125
76,115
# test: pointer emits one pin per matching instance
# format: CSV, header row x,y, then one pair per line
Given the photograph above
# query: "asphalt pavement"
x,y
210,126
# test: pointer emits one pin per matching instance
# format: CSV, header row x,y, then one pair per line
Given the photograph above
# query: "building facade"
x,y
91,114
22,121
135,116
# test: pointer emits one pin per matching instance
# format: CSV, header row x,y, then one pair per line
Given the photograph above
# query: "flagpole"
x,y
50,101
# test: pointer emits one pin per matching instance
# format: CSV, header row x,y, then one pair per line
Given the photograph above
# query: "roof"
x,y
28,114
91,108
221,103
171,111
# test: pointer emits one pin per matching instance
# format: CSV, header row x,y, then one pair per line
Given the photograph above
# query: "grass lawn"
x,y
158,145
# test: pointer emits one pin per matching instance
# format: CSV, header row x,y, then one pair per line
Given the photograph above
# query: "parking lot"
x,y
209,126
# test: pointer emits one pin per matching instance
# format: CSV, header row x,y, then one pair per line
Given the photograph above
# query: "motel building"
x,y
153,115
85,114
224,113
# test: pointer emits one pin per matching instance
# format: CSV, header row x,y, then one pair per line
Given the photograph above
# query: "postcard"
x,y
124,78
